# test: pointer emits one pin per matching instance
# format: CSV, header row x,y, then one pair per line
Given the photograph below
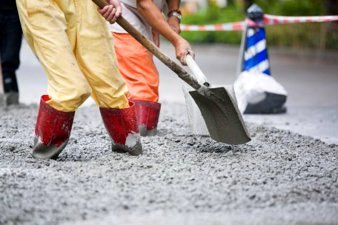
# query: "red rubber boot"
x,y
122,128
147,114
52,131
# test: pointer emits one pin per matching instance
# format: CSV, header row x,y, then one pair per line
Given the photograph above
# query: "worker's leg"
x,y
122,127
95,52
137,68
44,27
46,30
52,130
97,59
10,44
139,71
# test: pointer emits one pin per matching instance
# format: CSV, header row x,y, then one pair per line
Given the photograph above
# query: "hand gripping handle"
x,y
184,75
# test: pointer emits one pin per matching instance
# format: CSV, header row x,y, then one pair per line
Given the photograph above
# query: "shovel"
x,y
219,111
211,122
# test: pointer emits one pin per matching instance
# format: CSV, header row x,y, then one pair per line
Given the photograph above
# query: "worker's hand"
x,y
174,24
111,11
183,48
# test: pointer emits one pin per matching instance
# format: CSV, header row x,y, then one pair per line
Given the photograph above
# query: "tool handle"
x,y
196,71
184,75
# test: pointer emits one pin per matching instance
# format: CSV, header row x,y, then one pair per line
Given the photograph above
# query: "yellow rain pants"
x,y
137,67
73,44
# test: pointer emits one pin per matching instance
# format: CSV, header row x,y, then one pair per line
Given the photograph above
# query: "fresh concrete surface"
x,y
280,177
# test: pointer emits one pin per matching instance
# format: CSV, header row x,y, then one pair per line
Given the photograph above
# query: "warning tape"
x,y
236,26
272,20
267,20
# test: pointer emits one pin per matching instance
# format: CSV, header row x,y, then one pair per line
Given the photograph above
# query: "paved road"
x,y
310,78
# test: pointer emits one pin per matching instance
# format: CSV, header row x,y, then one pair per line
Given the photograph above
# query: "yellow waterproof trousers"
x,y
73,44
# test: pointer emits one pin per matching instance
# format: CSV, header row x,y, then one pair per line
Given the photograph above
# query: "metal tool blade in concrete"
x,y
218,109
230,129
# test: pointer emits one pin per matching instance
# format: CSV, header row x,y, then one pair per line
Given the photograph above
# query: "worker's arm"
x,y
173,21
156,20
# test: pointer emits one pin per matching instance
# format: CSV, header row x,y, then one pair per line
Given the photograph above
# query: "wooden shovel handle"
x,y
184,75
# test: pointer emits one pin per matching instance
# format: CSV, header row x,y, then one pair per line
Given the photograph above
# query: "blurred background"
x,y
319,36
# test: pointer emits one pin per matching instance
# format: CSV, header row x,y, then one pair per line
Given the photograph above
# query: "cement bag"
x,y
259,93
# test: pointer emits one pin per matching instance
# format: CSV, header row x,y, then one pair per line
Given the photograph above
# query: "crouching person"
x,y
74,46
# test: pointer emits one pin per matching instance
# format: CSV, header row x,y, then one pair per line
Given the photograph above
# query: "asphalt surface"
x,y
283,176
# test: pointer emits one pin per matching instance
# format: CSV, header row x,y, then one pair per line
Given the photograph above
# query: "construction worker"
x,y
10,44
73,44
136,63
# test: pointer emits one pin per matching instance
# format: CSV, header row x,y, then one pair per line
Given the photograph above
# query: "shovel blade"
x,y
222,117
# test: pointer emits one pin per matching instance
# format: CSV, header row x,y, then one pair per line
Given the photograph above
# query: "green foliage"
x,y
308,35
214,15
292,7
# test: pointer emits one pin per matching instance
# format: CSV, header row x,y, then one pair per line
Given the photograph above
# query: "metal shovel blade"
x,y
223,120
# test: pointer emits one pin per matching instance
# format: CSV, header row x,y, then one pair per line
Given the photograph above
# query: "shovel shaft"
x,y
175,67
196,71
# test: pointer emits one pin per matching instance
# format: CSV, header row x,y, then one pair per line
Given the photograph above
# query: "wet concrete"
x,y
278,178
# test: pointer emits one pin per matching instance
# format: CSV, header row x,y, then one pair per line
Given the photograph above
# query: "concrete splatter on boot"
x,y
147,114
122,128
52,131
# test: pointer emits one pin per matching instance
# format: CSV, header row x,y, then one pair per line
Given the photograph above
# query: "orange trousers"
x,y
137,67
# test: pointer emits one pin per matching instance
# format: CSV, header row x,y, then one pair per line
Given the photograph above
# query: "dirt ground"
x,y
287,174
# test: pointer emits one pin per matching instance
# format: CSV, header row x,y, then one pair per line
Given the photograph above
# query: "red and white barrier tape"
x,y
272,20
267,20
236,26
